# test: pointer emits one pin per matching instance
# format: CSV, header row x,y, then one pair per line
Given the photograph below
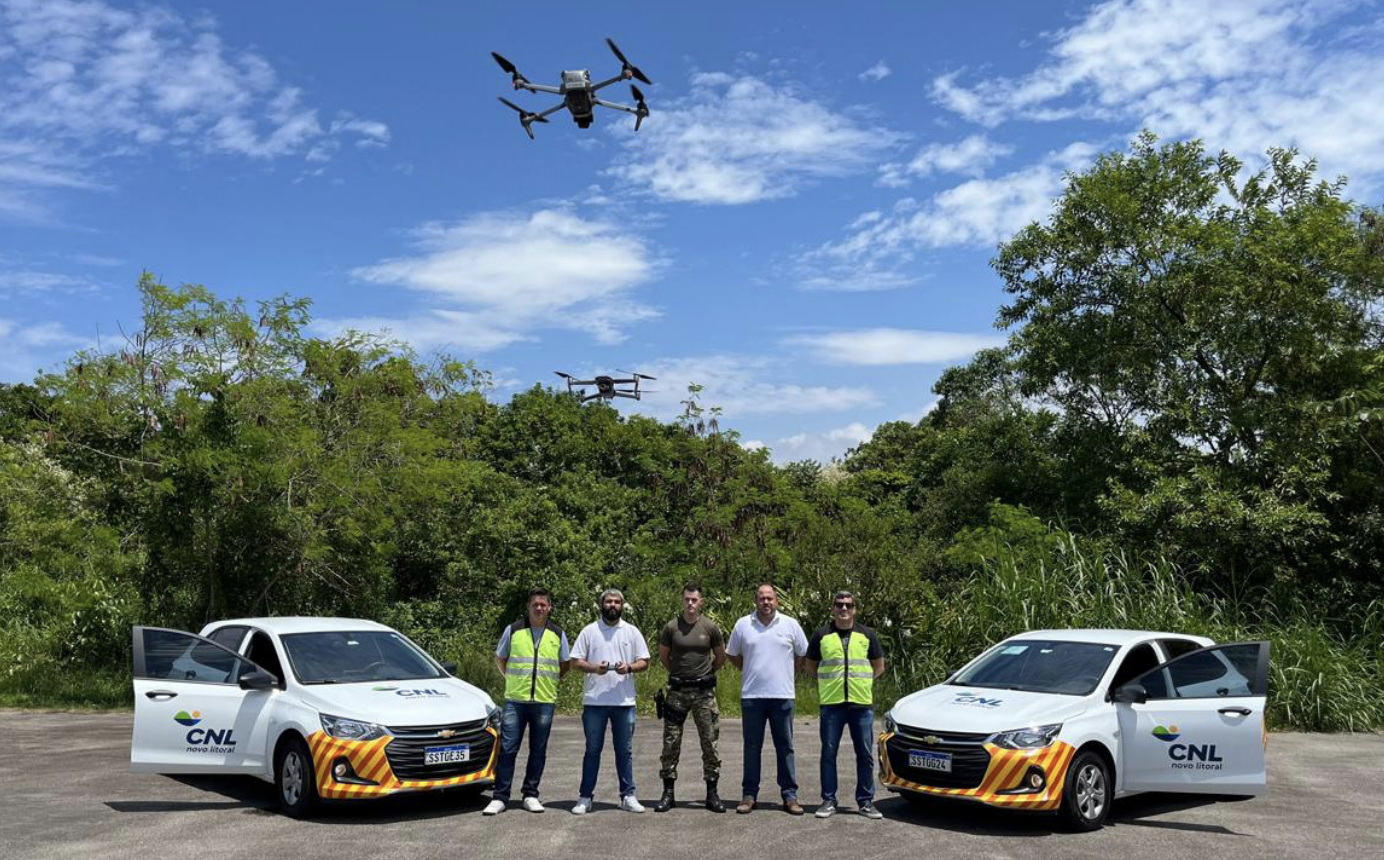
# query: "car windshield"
x,y
349,656
1040,666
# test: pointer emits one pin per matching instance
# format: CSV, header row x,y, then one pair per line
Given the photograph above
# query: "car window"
x,y
1040,666
1226,670
262,652
171,655
1139,660
344,657
228,636
1175,648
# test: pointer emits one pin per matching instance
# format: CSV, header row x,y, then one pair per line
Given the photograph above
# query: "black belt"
x,y
706,682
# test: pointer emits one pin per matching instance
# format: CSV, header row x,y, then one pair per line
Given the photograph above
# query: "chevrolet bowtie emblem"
x,y
446,733
931,739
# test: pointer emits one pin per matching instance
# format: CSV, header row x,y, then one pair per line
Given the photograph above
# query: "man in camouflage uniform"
x,y
691,648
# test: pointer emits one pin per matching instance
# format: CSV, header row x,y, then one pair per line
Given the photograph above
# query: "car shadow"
x,y
256,797
961,816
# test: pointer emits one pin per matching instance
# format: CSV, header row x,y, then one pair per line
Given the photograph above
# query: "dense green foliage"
x,y
1184,432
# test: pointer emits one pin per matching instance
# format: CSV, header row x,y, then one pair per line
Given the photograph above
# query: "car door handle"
x,y
161,695
1242,712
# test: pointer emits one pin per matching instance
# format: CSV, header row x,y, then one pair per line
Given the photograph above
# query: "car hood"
x,y
401,703
951,708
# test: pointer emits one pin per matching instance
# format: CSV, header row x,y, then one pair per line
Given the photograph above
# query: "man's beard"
x,y
611,615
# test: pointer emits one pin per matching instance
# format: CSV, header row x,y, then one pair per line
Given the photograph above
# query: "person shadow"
x,y
962,816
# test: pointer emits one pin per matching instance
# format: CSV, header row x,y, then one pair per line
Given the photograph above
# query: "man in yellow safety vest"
x,y
845,657
533,656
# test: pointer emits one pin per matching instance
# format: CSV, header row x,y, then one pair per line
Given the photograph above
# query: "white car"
x,y
1067,720
325,708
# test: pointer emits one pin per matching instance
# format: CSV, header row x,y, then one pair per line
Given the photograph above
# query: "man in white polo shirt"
x,y
609,651
768,649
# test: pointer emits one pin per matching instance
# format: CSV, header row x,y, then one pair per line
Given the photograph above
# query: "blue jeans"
x,y
538,718
593,722
861,719
778,713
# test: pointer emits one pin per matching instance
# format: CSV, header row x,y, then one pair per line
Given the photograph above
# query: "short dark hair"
x,y
540,591
844,593
691,585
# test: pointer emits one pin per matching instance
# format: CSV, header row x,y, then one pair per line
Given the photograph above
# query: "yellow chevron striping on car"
x,y
1007,768
369,760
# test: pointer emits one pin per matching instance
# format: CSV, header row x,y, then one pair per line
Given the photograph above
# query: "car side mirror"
x,y
1131,694
258,680
450,667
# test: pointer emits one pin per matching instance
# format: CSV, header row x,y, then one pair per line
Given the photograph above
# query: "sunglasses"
x,y
842,604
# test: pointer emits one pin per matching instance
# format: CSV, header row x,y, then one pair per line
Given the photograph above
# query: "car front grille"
x,y
970,759
405,752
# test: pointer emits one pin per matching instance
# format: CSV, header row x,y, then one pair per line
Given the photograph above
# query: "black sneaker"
x,y
827,809
868,810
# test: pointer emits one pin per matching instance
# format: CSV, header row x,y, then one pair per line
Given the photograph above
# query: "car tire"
x,y
295,782
1087,792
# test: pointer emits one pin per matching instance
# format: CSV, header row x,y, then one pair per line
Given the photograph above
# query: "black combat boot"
x,y
713,801
665,802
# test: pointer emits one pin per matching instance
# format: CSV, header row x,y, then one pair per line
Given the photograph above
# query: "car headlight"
x,y
492,717
1031,738
351,730
890,727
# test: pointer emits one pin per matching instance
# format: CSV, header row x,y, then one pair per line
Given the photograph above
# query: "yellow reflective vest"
x,y
530,676
845,675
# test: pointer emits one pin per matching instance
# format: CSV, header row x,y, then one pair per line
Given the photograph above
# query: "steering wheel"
x,y
373,667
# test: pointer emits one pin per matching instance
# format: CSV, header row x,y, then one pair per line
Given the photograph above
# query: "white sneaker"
x,y
583,806
532,804
494,807
630,803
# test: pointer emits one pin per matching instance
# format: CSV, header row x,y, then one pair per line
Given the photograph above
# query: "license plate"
x,y
930,760
447,755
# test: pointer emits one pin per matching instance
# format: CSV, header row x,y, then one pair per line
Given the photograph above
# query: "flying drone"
x,y
578,93
605,386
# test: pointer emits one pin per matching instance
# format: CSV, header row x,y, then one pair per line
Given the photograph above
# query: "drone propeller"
x,y
641,110
526,118
510,70
563,375
625,64
635,375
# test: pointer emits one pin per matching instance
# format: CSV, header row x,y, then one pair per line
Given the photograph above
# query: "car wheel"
x,y
295,782
1087,792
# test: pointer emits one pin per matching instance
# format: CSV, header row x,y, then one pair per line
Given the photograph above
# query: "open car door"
x,y
1196,723
199,707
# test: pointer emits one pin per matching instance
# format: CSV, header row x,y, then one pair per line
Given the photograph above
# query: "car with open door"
x,y
1065,721
324,708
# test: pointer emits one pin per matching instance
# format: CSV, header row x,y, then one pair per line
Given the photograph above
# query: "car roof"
x,y
1105,636
298,624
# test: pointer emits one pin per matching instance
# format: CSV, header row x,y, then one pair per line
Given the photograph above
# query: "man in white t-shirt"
x,y
768,649
609,651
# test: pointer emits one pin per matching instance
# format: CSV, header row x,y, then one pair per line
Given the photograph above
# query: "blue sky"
x,y
803,225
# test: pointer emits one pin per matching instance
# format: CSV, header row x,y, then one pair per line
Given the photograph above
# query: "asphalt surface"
x,y
68,792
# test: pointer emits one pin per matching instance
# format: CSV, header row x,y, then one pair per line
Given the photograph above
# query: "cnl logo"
x,y
1193,752
1168,734
187,719
977,701
412,694
211,737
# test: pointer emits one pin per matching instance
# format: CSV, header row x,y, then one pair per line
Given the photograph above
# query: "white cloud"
x,y
24,348
87,81
978,212
1243,76
822,447
970,157
878,72
741,385
28,281
889,346
500,276
741,140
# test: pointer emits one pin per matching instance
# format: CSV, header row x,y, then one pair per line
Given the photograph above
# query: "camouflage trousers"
x,y
701,705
